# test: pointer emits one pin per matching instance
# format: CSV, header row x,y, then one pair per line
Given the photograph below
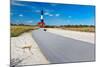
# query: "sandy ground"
x,y
83,36
20,50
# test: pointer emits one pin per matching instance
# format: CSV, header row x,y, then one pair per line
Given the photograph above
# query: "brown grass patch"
x,y
17,30
82,29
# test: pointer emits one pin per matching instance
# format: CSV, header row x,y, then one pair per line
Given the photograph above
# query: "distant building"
x,y
41,24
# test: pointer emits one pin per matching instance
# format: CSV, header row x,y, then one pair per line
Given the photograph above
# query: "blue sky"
x,y
54,14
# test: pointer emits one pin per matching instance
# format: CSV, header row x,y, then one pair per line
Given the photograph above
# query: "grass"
x,y
18,30
82,29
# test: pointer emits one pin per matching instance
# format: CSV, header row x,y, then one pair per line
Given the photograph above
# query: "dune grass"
x,y
18,30
82,29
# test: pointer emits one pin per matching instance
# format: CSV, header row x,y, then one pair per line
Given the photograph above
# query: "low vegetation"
x,y
16,30
82,28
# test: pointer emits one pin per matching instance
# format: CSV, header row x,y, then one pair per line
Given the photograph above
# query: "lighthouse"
x,y
42,20
41,24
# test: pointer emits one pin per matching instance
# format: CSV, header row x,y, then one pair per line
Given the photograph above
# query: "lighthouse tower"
x,y
41,24
42,20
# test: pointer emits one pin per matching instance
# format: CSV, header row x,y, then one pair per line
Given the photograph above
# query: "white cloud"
x,y
57,15
48,10
69,16
20,15
50,14
46,13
